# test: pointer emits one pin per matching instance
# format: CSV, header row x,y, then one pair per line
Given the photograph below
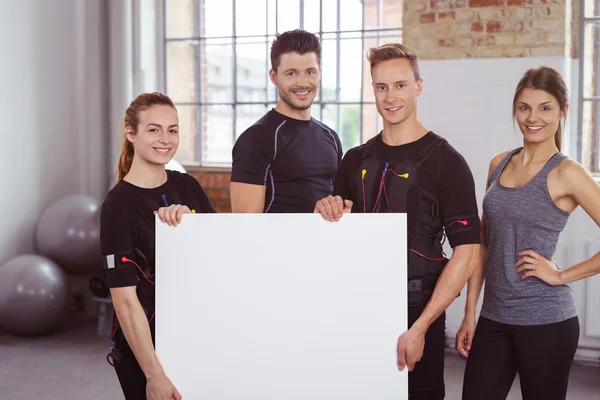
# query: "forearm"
x,y
134,323
476,280
582,270
450,283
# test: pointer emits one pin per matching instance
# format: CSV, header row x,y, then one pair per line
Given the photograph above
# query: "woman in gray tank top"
x,y
528,322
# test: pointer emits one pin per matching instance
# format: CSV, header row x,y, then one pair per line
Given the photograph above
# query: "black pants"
x,y
426,381
542,354
131,377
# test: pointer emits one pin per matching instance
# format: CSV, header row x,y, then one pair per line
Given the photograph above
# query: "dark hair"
x,y
140,103
296,41
548,80
393,51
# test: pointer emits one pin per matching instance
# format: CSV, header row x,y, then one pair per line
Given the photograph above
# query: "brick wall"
x,y
216,184
454,29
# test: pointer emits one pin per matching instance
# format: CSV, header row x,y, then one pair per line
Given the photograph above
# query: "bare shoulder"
x,y
574,174
497,159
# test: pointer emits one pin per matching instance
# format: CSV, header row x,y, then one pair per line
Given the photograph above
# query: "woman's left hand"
x,y
535,265
172,215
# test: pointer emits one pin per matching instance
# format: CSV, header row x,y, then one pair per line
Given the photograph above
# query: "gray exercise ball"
x,y
68,233
34,295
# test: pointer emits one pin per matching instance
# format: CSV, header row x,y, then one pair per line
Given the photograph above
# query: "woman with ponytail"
x,y
144,188
528,322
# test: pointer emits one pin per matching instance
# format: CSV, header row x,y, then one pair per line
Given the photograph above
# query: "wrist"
x,y
561,278
420,326
155,371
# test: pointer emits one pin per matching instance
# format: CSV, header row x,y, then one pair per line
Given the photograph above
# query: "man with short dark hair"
x,y
287,160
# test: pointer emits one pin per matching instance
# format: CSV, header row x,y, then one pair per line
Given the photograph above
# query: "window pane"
x,y
329,116
189,139
218,82
350,126
329,70
371,15
351,15
590,60
312,15
315,111
251,17
252,72
390,37
217,18
368,94
391,14
350,69
330,15
288,15
370,123
182,71
217,134
247,115
181,19
592,7
272,18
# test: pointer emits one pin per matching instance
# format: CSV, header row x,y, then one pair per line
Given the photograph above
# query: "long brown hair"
x,y
548,80
140,103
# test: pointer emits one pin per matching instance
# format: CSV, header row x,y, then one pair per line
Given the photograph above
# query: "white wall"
x,y
53,104
469,103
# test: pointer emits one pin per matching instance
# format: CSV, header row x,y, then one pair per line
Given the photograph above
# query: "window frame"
x,y
362,34
589,157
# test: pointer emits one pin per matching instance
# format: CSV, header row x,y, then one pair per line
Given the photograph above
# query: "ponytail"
x,y
125,158
558,136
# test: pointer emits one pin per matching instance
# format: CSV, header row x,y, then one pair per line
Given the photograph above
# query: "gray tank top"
x,y
518,219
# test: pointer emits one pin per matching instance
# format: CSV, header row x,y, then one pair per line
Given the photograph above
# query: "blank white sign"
x,y
282,307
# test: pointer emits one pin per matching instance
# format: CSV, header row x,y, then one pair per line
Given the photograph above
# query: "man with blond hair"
x,y
407,168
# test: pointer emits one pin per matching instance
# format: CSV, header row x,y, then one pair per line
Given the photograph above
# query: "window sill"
x,y
207,169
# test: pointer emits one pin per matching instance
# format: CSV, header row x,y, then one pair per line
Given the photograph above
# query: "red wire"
x,y
386,198
363,192
425,257
379,193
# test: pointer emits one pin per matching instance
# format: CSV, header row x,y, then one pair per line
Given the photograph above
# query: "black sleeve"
x,y
116,242
206,205
340,187
252,153
458,202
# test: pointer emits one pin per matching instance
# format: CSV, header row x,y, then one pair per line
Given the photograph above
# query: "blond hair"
x,y
394,51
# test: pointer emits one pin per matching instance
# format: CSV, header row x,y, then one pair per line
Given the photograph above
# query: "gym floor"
x,y
70,365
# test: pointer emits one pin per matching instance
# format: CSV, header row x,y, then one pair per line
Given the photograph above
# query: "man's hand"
x,y
161,388
410,348
332,208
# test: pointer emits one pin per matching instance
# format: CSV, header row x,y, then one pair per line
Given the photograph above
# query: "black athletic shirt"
x,y
456,191
127,224
295,159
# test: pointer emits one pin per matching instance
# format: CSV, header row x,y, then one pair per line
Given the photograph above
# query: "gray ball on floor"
x,y
34,295
69,234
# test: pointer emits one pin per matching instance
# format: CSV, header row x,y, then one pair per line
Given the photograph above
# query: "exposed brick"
x,y
494,26
446,4
487,40
446,42
447,15
477,26
427,18
487,3
518,2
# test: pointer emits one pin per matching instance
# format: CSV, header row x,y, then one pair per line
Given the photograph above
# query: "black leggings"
x,y
541,354
131,377
426,381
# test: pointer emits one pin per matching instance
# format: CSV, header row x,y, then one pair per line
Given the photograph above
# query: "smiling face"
x,y
538,114
396,90
297,79
156,137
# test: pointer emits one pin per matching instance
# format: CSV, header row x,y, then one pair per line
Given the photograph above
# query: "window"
x,y
217,63
589,87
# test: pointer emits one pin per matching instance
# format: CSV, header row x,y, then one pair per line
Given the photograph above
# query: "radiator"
x,y
592,295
